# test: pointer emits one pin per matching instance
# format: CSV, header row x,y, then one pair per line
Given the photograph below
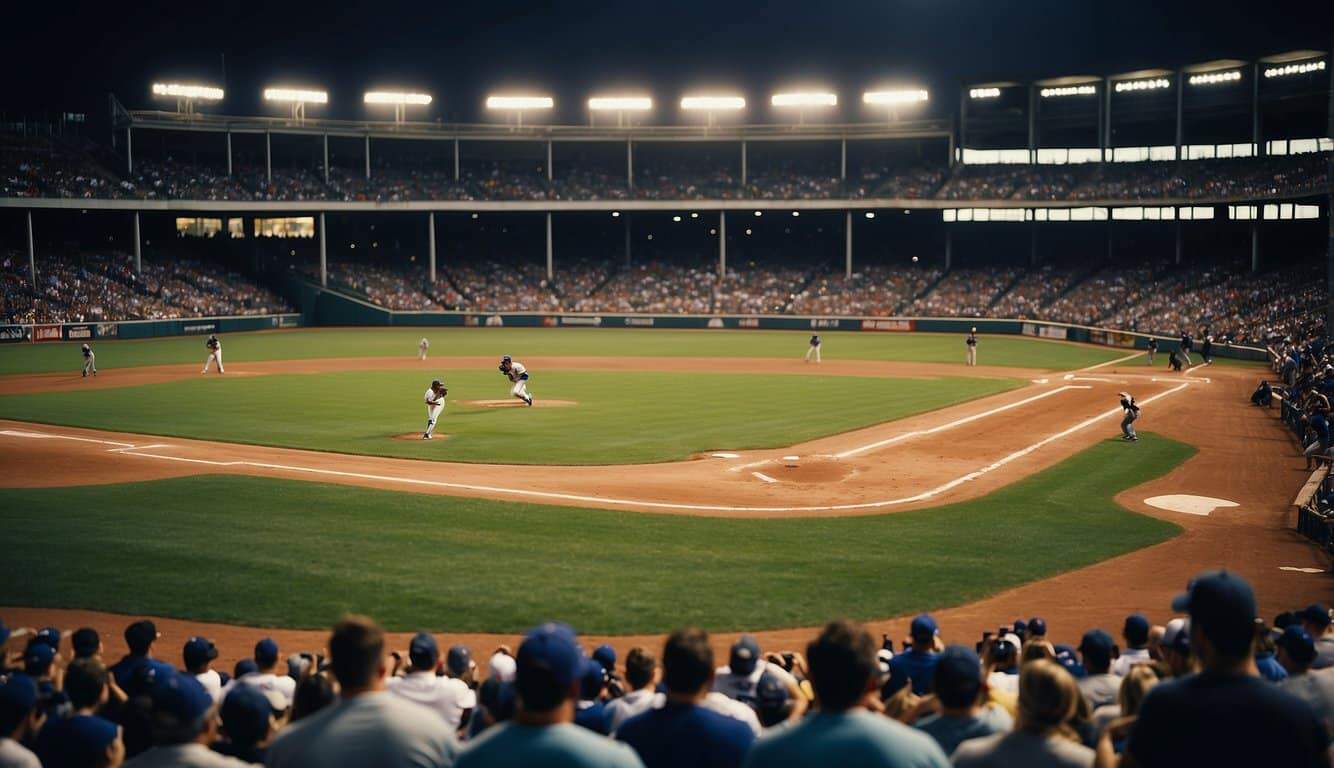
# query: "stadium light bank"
x,y
804,100
1215,78
621,105
1147,84
984,93
399,100
518,104
186,95
892,100
298,98
1288,70
1058,92
712,105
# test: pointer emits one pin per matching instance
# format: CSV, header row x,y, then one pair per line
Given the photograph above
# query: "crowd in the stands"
x,y
96,286
1213,685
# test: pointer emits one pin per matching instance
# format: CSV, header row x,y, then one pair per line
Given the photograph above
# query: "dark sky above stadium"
x,y
67,56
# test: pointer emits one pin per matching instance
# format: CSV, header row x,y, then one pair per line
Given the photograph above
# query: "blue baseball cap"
x,y
199,651
1222,605
48,635
555,647
1065,656
606,656
266,652
770,693
79,741
958,676
1096,645
1136,629
1315,613
744,656
1037,627
1020,627
38,656
591,679
244,667
1298,643
458,659
245,714
924,626
423,651
18,695
181,697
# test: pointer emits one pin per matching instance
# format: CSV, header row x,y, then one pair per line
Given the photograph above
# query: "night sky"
x,y
67,56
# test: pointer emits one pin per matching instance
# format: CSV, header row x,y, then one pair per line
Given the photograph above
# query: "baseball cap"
x,y
958,676
554,647
85,642
1298,643
458,659
1096,644
199,651
1222,604
38,657
266,652
1176,634
591,679
606,656
1037,627
245,714
1136,629
181,697
423,651
298,665
744,655
80,740
18,695
244,667
1065,656
502,667
1316,613
882,659
924,627
770,693
48,635
1020,627
140,635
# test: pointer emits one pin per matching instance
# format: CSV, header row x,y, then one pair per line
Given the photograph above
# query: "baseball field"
x,y
662,477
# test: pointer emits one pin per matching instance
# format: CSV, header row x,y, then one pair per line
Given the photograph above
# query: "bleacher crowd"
x,y
1214,685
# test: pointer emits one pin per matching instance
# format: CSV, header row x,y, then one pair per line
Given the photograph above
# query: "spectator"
x,y
198,656
20,719
740,678
962,696
86,643
1265,651
841,731
313,693
1226,714
495,704
184,723
606,656
773,705
502,666
1296,652
1003,664
682,732
138,667
82,741
1037,628
1315,620
279,688
1100,686
641,674
543,730
448,697
1175,647
917,666
1043,736
1136,634
367,725
1134,687
589,711
248,724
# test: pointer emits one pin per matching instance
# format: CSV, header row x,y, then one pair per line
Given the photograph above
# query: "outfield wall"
x,y
145,329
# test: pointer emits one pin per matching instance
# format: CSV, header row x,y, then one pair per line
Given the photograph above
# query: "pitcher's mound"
x,y
516,403
417,437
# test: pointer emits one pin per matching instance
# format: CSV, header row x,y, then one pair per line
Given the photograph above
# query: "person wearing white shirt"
x,y
641,674
435,405
422,346
1136,634
741,677
518,375
446,696
198,655
279,688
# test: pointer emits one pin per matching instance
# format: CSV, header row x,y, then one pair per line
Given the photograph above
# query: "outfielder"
x,y
89,361
422,346
1131,414
1153,349
435,405
516,373
814,348
971,342
214,354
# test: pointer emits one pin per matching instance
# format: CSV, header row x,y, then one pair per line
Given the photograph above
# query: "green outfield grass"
x,y
292,554
620,417
1017,351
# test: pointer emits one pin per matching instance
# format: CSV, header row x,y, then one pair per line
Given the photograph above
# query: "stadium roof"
x,y
1215,65
1283,58
1057,82
1141,74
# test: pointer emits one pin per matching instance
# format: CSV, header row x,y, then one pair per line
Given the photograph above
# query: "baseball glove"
x,y
500,368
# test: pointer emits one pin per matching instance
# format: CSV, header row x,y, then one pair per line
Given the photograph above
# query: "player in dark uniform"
x,y
814,349
1153,349
1186,344
1128,420
971,343
1207,350
89,361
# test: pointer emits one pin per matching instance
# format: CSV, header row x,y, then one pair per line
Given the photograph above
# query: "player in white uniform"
x,y
814,349
422,346
214,354
435,405
515,372
971,343
89,361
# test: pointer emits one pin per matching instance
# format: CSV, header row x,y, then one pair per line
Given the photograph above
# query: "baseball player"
x,y
814,349
515,372
435,405
1128,421
422,346
971,342
89,362
1207,350
1186,343
214,354
1153,349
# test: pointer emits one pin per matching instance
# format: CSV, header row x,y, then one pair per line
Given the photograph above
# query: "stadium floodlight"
x,y
298,98
1214,78
1068,90
399,100
870,214
713,104
894,99
1287,70
1147,84
620,105
804,100
983,93
518,104
186,95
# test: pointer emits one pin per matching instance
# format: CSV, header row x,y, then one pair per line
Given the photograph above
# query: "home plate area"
x,y
1188,504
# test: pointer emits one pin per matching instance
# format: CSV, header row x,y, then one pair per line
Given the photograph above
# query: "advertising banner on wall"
x,y
887,325
46,333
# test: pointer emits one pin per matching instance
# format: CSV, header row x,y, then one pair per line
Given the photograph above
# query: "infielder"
x,y
214,354
1186,343
1153,349
971,343
89,361
422,346
814,348
1131,414
516,373
435,404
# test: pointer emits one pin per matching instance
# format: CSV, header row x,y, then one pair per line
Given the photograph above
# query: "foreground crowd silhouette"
x,y
1214,686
